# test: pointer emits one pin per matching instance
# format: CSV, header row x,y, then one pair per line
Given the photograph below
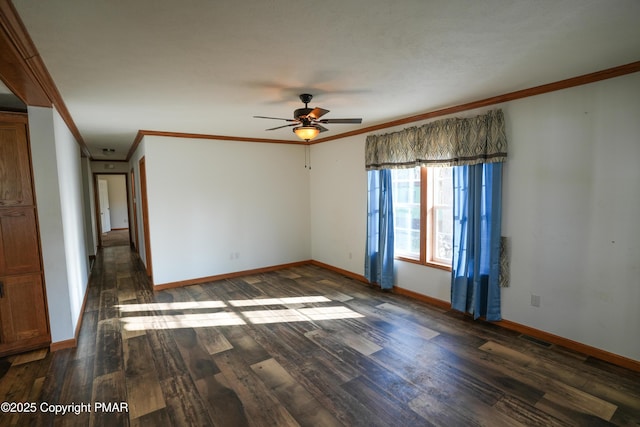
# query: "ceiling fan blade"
x,y
284,126
343,121
322,128
274,118
317,112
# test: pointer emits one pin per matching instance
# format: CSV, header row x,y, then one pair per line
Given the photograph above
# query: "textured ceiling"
x,y
202,66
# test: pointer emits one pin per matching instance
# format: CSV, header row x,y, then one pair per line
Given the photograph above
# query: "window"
x,y
423,215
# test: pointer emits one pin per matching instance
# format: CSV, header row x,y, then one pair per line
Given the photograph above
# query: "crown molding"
x,y
24,73
584,79
143,133
608,73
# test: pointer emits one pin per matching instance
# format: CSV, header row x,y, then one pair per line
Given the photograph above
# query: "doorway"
x,y
112,210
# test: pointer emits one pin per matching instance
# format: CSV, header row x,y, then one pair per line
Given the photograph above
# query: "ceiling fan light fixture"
x,y
306,133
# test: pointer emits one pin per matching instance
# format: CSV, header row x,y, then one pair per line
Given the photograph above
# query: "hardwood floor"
x,y
117,237
301,346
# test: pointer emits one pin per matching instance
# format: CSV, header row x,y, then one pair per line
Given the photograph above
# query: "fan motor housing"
x,y
301,112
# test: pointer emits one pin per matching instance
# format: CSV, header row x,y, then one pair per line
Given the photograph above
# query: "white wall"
x,y
58,185
91,229
118,209
571,208
339,203
217,207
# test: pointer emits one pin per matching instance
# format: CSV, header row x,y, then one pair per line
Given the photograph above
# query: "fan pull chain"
x,y
307,153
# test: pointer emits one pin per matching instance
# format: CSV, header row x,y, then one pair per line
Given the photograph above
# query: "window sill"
x,y
426,264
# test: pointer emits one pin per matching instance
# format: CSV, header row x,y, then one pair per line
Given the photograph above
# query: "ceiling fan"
x,y
307,120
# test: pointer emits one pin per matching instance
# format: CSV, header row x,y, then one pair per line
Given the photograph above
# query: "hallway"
x,y
116,238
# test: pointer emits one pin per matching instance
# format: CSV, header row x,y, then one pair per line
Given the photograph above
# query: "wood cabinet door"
x,y
19,250
15,171
23,314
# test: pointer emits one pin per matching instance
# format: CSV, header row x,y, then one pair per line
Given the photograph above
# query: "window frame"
x,y
427,226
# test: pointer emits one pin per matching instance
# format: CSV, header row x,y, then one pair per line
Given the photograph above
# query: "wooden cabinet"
x,y
23,315
15,164
23,309
19,250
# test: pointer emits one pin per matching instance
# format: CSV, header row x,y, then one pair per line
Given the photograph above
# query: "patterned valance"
x,y
448,142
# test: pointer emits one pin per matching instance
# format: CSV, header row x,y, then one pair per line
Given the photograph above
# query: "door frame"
x,y
134,209
142,168
96,197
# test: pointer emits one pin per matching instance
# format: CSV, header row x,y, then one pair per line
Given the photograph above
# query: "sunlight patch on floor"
x,y
201,320
165,306
230,318
278,301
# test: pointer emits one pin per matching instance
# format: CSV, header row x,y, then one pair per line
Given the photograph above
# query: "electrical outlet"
x,y
535,300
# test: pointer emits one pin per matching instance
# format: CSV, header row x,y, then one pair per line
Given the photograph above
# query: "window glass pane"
x,y
401,239
415,242
406,211
442,214
403,191
443,185
443,230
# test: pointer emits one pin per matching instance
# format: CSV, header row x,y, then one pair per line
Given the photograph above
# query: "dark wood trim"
x,y
144,205
609,73
61,345
96,207
425,228
16,45
424,298
228,275
24,71
424,264
536,333
435,302
82,308
134,145
133,233
585,349
345,273
616,359
73,342
143,133
96,195
219,137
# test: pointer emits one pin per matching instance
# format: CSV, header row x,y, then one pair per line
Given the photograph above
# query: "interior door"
x,y
105,215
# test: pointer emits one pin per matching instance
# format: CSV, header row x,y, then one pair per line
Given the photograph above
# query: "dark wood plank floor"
x,y
117,237
302,346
